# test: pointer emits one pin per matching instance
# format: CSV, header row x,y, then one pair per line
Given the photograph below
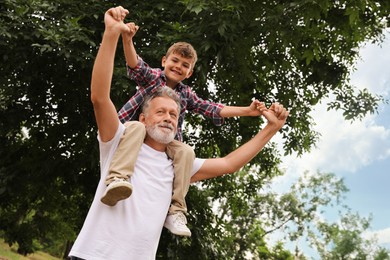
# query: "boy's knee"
x,y
182,150
136,125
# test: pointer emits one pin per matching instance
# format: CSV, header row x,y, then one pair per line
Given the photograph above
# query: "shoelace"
x,y
118,180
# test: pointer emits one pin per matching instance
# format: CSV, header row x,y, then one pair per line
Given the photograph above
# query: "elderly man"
x,y
131,229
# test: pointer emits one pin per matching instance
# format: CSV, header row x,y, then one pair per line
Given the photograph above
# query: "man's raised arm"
x,y
276,117
105,111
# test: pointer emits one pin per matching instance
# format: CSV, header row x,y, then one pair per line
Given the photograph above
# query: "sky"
x,y
358,151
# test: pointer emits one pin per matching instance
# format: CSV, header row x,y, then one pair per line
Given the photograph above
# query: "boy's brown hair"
x,y
185,50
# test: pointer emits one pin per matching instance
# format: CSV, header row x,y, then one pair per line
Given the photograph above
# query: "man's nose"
x,y
167,117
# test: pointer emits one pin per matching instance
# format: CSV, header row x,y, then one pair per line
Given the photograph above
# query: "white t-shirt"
x,y
131,229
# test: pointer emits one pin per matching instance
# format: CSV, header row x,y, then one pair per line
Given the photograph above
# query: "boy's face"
x,y
177,68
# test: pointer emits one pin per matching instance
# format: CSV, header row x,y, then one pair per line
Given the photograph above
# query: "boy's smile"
x,y
177,68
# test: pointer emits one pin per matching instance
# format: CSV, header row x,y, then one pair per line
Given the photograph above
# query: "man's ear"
x,y
141,118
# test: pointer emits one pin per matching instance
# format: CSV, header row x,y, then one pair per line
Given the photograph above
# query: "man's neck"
x,y
155,145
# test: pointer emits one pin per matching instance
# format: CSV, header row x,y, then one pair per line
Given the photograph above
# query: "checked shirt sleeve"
x,y
144,75
204,107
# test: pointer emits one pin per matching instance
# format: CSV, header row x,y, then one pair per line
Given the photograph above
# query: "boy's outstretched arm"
x,y
251,110
105,111
128,45
276,117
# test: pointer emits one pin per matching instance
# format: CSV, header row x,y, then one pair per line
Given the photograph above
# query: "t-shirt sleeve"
x,y
197,164
107,149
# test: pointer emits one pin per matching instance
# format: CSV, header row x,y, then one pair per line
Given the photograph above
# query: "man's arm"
x,y
105,111
128,45
276,117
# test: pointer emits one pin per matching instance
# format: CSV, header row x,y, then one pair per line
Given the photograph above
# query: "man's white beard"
x,y
160,135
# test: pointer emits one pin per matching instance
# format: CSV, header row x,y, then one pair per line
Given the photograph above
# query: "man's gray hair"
x,y
161,92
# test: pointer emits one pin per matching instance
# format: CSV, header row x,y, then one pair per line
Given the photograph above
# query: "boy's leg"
x,y
122,164
183,159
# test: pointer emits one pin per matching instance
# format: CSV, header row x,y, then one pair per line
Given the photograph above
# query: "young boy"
x,y
178,64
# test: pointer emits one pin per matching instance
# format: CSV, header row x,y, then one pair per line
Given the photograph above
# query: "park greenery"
x,y
297,52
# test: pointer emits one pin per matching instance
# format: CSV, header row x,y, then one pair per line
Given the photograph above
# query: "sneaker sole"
x,y
116,193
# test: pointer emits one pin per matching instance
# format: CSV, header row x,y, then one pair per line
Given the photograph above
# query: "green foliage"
x,y
295,52
48,156
344,240
300,213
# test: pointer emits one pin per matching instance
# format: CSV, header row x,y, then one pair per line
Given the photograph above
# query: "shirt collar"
x,y
179,86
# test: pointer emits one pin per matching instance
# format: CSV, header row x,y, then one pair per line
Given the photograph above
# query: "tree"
x,y
344,240
294,52
300,213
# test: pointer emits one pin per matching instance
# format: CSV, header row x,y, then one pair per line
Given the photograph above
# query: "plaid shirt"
x,y
148,80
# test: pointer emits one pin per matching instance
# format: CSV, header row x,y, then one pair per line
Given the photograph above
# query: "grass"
x,y
9,253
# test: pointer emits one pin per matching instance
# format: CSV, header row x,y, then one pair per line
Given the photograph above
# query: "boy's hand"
x,y
256,108
113,19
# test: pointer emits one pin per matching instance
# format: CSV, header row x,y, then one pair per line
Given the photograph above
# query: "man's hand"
x,y
276,115
113,20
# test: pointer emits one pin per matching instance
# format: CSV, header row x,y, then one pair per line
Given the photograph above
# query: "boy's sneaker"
x,y
176,223
117,190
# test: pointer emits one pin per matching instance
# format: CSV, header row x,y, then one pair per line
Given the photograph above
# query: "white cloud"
x,y
343,146
372,70
346,146
382,235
